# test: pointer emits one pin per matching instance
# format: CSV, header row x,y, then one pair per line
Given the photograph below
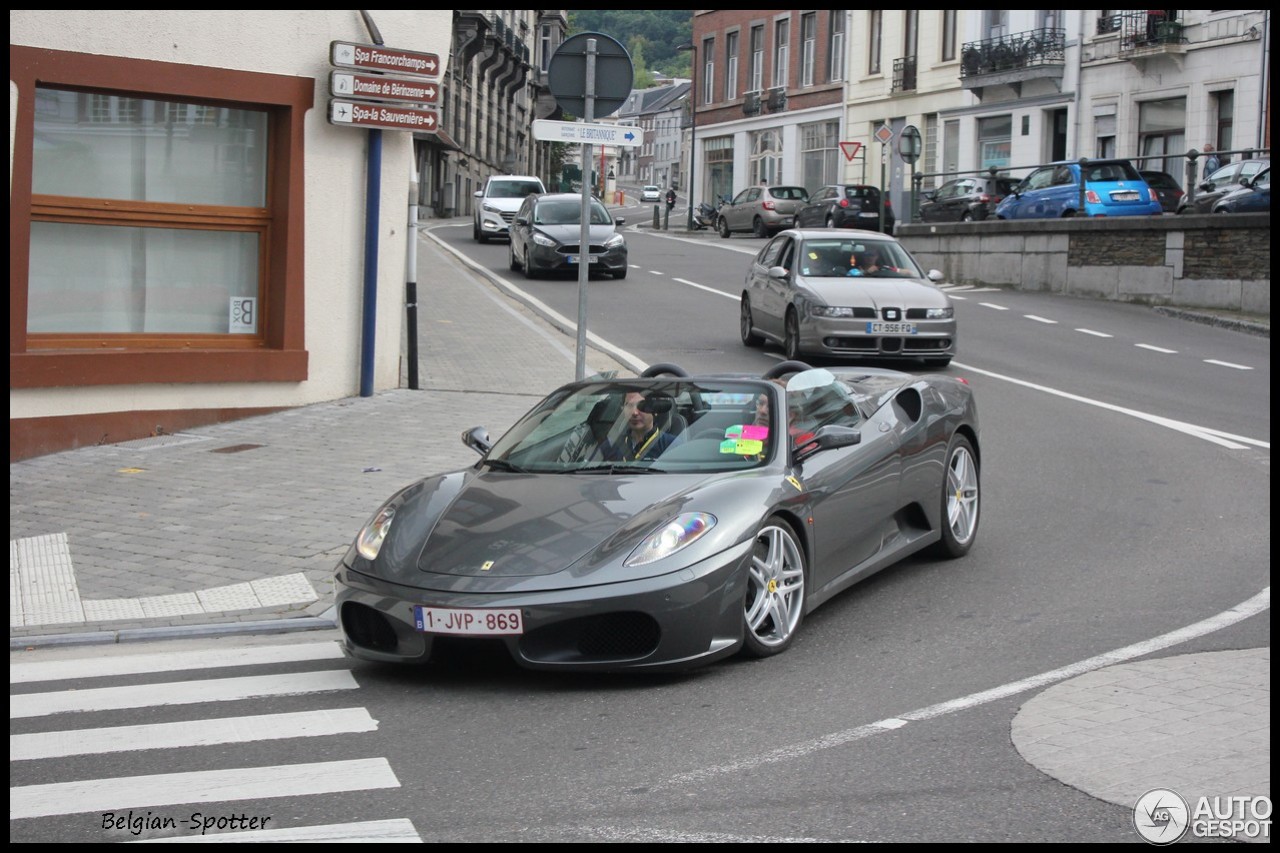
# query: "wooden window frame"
x,y
277,353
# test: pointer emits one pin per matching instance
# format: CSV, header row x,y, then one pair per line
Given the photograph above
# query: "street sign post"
x,y
581,133
352,114
383,87
376,57
590,76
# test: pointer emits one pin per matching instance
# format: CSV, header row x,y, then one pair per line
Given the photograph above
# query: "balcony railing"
x,y
1146,32
1020,50
904,74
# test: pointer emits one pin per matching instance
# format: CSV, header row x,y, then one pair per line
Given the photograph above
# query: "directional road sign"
x,y
583,133
352,114
383,87
376,57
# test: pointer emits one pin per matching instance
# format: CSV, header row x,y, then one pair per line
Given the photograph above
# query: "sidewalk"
x,y
236,528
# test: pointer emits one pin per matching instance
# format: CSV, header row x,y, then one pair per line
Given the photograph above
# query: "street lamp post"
x,y
693,122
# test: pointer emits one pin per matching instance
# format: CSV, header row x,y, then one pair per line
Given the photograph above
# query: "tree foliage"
x,y
651,36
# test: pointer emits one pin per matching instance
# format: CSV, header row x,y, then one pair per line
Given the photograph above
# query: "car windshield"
x,y
568,212
659,426
835,257
513,189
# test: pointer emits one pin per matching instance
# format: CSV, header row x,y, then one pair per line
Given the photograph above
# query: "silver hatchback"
x,y
859,294
761,210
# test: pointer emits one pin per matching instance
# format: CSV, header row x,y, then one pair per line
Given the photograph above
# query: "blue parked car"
x,y
1252,196
1112,188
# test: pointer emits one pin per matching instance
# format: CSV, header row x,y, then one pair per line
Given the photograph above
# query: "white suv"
x,y
498,203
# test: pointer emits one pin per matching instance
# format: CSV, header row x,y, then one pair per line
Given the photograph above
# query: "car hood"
x,y
871,291
488,531
571,233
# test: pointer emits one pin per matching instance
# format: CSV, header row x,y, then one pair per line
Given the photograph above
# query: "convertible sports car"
x,y
666,521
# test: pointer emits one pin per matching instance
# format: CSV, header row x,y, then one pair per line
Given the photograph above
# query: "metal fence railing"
x,y
1193,172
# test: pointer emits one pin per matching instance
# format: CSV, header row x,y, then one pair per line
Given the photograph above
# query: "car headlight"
x,y
939,313
489,208
542,239
679,532
830,311
373,534
615,241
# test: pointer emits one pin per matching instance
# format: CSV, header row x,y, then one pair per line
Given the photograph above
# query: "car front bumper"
x,y
856,337
675,621
555,259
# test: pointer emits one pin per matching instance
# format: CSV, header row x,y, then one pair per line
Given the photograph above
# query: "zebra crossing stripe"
x,y
397,831
96,667
177,693
30,747
207,786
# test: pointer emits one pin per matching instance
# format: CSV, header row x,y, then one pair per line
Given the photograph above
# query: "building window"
x,y
995,141
153,231
545,49
708,71
757,59
1104,134
1223,106
808,47
765,163
781,54
995,23
1162,130
835,46
948,35
873,41
819,154
730,66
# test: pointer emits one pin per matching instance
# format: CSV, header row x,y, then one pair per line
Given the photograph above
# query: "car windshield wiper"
x,y
504,465
619,469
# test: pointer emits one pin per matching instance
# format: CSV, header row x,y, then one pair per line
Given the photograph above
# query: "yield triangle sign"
x,y
850,149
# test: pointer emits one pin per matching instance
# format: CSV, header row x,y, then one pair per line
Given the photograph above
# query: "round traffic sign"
x,y
567,75
909,144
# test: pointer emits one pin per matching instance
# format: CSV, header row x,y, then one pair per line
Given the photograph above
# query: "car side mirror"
x,y
477,438
931,195
828,437
521,220
778,272
1207,186
479,193
619,221
936,276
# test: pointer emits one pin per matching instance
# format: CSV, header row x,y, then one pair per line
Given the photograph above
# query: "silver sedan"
x,y
856,294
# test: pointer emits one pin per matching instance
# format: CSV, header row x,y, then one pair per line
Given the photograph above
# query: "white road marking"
x,y
655,272
1227,364
1045,320
177,693
957,298
30,747
1223,439
1095,334
735,297
993,306
208,786
395,831
1156,349
97,667
1251,607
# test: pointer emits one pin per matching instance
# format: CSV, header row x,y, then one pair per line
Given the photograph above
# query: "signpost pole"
x,y
584,225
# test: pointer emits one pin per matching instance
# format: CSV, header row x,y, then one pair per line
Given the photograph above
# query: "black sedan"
x,y
1166,188
1252,196
546,237
971,199
846,206
666,521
